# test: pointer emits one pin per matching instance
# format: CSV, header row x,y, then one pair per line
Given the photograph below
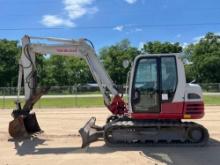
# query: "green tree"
x,y
159,47
205,56
113,57
45,71
78,71
9,52
62,71
189,73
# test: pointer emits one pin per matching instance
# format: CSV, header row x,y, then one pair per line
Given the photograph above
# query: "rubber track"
x,y
136,124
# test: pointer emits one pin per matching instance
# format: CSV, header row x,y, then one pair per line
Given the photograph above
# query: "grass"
x,y
59,102
212,100
70,102
82,102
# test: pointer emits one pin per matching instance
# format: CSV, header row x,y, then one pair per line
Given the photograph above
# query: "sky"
x,y
106,22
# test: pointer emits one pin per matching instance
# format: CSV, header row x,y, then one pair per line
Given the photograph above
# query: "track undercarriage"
x,y
129,132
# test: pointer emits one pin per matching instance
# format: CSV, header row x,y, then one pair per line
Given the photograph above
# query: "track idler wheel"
x,y
198,134
24,125
90,132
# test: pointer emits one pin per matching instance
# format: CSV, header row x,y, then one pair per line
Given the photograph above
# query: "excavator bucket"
x,y
90,132
25,123
23,126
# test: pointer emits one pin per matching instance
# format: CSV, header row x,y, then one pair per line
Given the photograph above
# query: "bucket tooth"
x,y
90,132
23,126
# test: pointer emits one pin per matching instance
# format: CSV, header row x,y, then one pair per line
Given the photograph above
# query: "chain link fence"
x,y
87,95
57,96
55,90
210,87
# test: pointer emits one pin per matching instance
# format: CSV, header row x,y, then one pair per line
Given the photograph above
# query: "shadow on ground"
x,y
209,154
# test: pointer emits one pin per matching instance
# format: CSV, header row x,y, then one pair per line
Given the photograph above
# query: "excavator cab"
x,y
158,89
154,82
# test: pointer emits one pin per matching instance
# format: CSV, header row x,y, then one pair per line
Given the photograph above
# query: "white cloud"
x,y
119,28
184,45
128,28
198,38
53,20
133,30
141,45
78,8
131,1
73,9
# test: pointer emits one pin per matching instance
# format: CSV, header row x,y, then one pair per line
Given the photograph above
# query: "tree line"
x,y
203,58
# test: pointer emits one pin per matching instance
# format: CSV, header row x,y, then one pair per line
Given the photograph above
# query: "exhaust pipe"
x,y
90,132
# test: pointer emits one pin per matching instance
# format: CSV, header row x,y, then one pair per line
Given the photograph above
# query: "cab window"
x,y
168,78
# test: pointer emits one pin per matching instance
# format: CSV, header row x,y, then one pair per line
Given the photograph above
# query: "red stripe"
x,y
174,111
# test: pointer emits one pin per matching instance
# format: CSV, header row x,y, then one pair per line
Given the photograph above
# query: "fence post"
x,y
39,104
76,96
3,98
74,93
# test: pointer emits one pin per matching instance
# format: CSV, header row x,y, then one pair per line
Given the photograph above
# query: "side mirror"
x,y
125,63
187,62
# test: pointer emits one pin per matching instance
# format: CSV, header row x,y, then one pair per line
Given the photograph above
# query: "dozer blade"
x,y
23,126
90,132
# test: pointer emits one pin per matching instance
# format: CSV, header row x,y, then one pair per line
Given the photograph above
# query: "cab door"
x,y
145,95
154,84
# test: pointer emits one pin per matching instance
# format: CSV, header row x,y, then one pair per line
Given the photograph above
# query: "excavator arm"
x,y
83,49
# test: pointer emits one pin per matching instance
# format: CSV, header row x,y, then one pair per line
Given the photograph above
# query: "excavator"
x,y
159,99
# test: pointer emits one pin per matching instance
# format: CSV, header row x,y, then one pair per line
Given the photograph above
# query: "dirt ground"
x,y
60,143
